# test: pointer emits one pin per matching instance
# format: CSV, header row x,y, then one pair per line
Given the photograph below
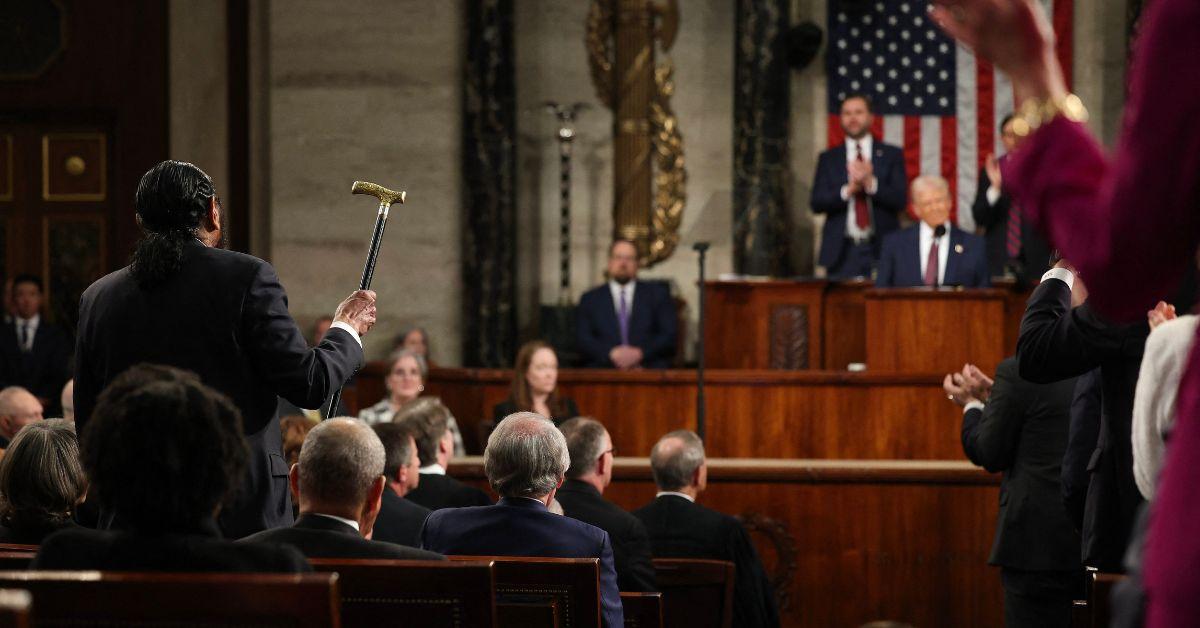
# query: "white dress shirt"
x,y
852,229
926,241
350,522
435,469
32,324
616,289
676,494
1163,361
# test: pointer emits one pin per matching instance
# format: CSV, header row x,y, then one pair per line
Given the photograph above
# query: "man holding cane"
x,y
185,301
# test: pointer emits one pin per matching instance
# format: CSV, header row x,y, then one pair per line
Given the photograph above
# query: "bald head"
x,y
68,400
675,459
340,460
526,456
18,408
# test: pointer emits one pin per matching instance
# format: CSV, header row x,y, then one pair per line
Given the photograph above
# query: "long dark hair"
x,y
172,199
520,394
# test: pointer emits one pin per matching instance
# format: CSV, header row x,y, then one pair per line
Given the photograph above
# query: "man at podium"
x,y
933,252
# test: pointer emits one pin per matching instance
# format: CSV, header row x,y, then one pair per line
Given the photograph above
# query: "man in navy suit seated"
x,y
933,252
626,323
859,186
525,461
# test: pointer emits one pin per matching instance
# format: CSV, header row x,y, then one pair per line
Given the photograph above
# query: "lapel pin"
x,y
958,248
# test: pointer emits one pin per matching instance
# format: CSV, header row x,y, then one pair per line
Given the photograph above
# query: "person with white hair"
x,y
339,483
934,252
526,460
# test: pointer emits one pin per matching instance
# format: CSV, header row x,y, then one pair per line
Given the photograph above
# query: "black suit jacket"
x,y
508,406
223,316
321,537
522,527
652,325
442,491
630,542
399,520
1022,432
900,260
44,370
1081,445
889,200
1057,342
993,219
679,528
201,549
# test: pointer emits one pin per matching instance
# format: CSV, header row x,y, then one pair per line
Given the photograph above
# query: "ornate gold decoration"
x,y
620,56
75,165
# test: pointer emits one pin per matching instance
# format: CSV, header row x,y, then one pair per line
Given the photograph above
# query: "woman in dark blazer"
x,y
535,386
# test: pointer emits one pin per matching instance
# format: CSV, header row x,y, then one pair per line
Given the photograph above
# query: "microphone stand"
x,y
701,248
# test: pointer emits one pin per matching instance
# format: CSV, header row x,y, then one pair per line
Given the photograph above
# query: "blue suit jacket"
x,y
523,527
889,200
900,260
652,325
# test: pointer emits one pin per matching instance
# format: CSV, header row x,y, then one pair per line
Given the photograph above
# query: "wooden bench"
x,y
572,584
642,610
93,598
413,592
696,593
14,608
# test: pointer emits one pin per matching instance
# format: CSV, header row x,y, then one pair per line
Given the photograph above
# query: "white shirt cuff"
x,y
348,329
972,406
1062,275
992,195
845,192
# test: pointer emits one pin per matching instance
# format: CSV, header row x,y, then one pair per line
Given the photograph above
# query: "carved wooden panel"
x,y
32,35
6,167
789,336
74,254
74,167
777,550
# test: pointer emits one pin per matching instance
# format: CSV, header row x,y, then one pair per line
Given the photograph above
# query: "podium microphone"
x,y
701,248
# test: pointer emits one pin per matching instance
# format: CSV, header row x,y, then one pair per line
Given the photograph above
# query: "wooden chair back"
x,y
573,584
14,608
696,593
1100,590
93,598
426,593
642,610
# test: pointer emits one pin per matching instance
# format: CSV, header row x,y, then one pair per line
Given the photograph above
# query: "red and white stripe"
x,y
955,147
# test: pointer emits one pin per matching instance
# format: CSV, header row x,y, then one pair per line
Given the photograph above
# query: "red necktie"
x,y
862,215
931,265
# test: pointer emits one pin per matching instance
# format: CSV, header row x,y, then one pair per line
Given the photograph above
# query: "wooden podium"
x,y
771,324
934,330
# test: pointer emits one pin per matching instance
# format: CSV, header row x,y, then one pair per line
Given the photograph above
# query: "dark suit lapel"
x,y
838,155
953,261
640,312
610,313
913,261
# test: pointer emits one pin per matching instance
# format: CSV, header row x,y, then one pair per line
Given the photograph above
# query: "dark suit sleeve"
x,y
986,215
611,611
826,191
982,278
637,567
885,276
662,342
990,436
587,335
87,385
1083,437
891,192
1052,345
753,595
58,360
304,376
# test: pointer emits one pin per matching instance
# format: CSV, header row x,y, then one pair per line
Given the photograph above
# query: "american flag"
x,y
931,97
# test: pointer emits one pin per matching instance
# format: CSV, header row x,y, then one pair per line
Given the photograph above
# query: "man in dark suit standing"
x,y
399,520
681,528
581,496
860,187
1013,244
34,353
1020,428
185,301
339,484
626,323
1058,341
525,461
933,252
430,427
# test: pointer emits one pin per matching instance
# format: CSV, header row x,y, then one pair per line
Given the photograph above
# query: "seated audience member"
x,y
67,400
535,386
163,452
626,323
934,252
294,428
416,340
18,408
581,496
1167,350
34,353
525,459
681,528
405,382
285,408
1020,429
399,519
41,482
427,418
338,484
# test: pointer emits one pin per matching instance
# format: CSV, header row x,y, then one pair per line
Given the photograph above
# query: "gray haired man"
x,y
525,461
338,483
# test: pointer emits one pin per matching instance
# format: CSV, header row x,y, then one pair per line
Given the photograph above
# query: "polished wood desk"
x,y
923,330
848,542
750,413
